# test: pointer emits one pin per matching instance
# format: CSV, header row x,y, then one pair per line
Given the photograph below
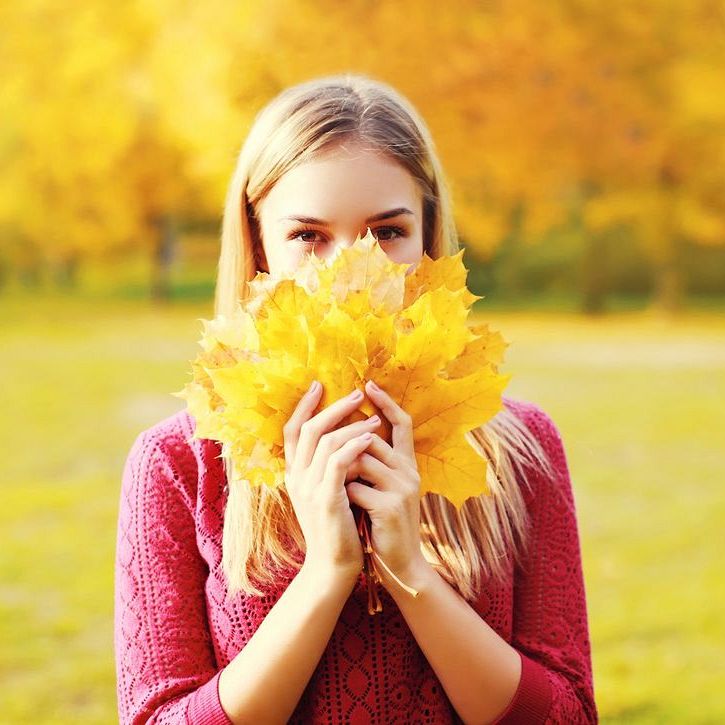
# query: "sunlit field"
x,y
639,403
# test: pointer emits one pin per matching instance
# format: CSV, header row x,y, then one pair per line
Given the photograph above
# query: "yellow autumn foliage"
x,y
354,317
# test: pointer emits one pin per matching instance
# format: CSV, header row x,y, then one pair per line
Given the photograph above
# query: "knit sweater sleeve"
x,y
165,665
550,628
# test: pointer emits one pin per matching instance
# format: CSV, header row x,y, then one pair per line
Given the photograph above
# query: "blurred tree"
x,y
88,166
602,121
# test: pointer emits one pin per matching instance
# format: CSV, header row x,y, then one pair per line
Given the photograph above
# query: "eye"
x,y
309,237
303,236
388,234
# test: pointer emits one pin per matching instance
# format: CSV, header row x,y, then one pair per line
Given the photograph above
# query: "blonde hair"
x,y
260,526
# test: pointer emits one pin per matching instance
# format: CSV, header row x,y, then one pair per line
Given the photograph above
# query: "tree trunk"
x,y
509,282
669,283
594,274
66,272
669,292
163,255
593,268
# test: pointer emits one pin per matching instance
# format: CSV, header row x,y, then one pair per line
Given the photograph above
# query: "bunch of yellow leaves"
x,y
356,317
343,321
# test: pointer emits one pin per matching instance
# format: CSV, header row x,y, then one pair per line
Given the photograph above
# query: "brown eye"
x,y
388,234
305,237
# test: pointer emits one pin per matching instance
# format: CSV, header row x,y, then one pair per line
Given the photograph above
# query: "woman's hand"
x,y
317,461
394,502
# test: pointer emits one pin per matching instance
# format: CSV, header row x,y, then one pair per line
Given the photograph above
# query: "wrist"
x,y
416,577
328,575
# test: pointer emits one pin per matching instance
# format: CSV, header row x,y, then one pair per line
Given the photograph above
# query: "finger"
x,y
400,420
340,460
312,430
376,472
364,496
383,451
333,440
302,412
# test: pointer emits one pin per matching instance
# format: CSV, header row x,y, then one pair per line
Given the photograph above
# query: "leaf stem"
x,y
372,576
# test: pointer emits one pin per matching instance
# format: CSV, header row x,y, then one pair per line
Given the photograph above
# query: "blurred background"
x,y
585,148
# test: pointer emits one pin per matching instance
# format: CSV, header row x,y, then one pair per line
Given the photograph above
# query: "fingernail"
x,y
313,387
355,394
374,386
373,419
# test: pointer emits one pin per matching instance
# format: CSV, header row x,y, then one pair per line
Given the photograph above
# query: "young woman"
x,y
249,605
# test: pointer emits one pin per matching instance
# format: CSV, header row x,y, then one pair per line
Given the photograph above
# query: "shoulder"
x,y
167,453
537,420
171,436
544,434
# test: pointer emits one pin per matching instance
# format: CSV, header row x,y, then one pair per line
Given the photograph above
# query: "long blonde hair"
x,y
260,526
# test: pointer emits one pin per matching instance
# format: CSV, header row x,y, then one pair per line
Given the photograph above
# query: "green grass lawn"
x,y
639,403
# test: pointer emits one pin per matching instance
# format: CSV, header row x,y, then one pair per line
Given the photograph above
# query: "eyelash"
x,y
399,231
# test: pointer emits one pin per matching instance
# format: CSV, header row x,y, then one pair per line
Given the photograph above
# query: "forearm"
x,y
265,681
478,669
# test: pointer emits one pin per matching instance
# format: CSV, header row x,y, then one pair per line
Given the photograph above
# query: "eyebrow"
x,y
374,218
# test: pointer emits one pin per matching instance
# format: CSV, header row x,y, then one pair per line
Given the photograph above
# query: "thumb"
x,y
364,496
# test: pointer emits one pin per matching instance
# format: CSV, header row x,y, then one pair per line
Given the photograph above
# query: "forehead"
x,y
345,180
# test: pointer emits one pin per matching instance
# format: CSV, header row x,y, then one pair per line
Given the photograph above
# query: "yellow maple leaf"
x,y
351,318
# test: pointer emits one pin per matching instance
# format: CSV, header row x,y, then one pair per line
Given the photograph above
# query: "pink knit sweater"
x,y
176,626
